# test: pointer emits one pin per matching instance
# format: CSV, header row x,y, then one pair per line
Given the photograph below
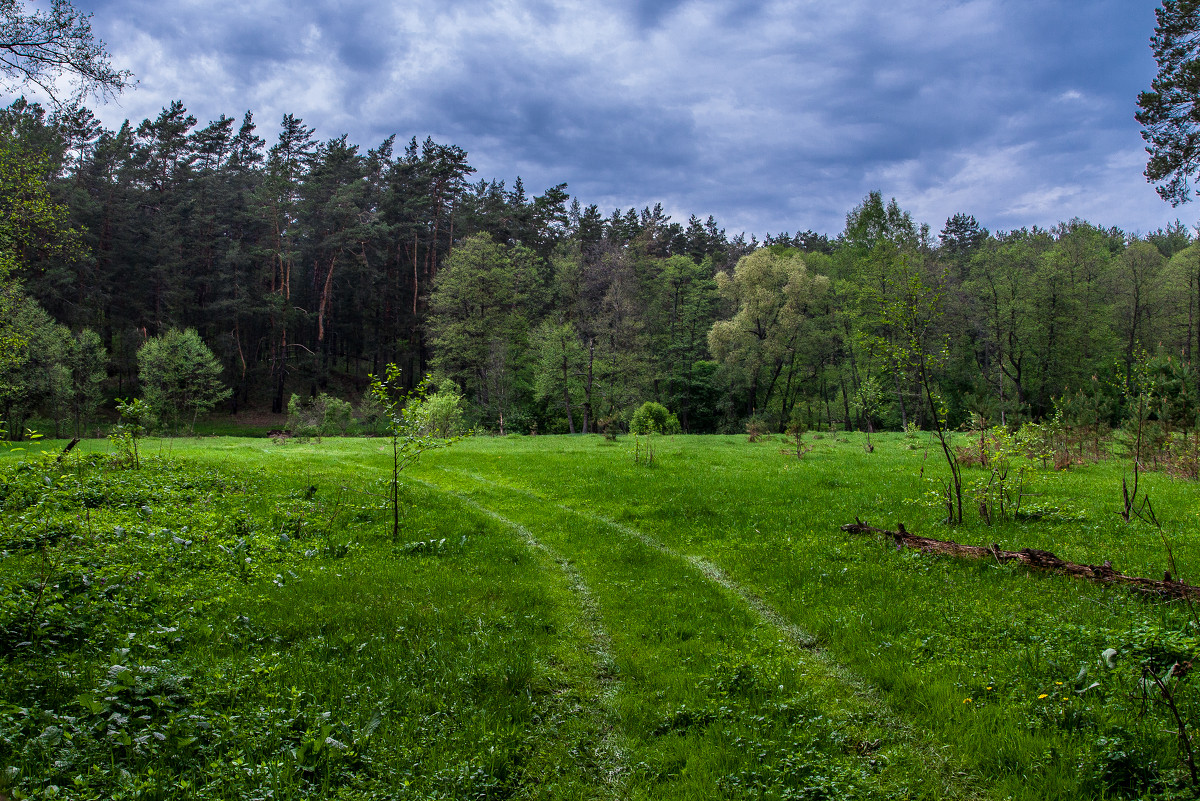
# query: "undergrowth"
x,y
181,631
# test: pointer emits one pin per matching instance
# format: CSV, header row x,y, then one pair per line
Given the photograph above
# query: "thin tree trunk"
x,y
567,387
324,304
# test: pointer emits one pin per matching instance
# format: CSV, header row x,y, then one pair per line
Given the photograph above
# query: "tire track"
x,y
955,782
600,647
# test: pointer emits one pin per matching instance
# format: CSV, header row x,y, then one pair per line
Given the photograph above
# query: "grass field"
x,y
556,621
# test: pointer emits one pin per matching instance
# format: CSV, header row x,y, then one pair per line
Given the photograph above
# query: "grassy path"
x,y
614,764
975,657
708,668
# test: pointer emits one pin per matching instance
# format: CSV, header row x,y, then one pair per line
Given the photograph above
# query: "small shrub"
x,y
653,417
322,416
610,427
338,417
134,416
371,415
796,430
441,414
755,428
1010,459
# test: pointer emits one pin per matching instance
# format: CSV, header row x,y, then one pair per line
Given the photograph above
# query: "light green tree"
x,y
180,377
441,413
407,419
777,302
867,401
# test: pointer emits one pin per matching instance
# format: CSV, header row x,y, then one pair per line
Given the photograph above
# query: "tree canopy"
x,y
46,47
1169,111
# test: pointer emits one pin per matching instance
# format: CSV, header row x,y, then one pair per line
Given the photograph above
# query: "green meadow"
x,y
234,620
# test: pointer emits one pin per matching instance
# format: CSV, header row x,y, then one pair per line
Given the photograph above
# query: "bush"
x,y
371,414
611,426
653,418
322,416
441,413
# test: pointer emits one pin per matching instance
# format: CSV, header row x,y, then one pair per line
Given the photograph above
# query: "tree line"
x,y
308,265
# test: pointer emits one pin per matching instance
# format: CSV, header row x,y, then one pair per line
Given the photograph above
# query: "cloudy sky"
x,y
769,115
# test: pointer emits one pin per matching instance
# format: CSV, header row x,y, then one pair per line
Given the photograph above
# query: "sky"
x,y
770,116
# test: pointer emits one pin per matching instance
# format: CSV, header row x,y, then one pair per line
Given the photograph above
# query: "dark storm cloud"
x,y
768,115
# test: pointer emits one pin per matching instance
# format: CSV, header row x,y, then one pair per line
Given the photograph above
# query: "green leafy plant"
x,y
441,413
406,421
135,414
1006,457
653,417
322,416
868,400
756,427
796,430
610,427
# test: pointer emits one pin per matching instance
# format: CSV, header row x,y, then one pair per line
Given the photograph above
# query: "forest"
x,y
308,265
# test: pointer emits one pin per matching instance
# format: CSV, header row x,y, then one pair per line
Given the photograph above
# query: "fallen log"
x,y
70,446
1033,558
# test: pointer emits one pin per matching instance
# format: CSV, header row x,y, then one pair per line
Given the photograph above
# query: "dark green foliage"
x,y
481,305
87,360
320,416
961,238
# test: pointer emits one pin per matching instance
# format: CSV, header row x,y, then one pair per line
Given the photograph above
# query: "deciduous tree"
x,y
42,46
180,376
775,297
